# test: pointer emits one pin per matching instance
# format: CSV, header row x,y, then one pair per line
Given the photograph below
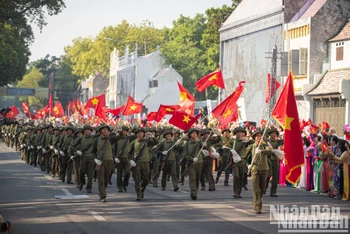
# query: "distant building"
x,y
143,78
91,87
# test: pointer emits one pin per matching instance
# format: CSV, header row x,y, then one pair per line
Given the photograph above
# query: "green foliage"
x,y
13,54
90,56
32,80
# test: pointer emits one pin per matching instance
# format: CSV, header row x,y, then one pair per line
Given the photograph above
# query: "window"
x,y
340,51
153,83
303,61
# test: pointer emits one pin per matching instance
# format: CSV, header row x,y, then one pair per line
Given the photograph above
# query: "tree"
x,y
32,80
16,33
14,54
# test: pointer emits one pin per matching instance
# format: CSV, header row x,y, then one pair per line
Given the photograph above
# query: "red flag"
x,y
214,78
132,107
165,110
92,102
50,104
99,112
151,116
286,114
187,106
115,112
183,120
13,112
267,97
227,111
263,122
309,122
58,110
26,110
184,94
42,112
324,146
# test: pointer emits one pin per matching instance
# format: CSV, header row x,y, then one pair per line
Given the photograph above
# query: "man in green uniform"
x,y
82,147
54,151
275,162
41,160
46,147
168,159
140,159
224,155
67,168
35,139
75,163
26,140
207,169
103,154
121,149
194,159
59,144
155,158
259,169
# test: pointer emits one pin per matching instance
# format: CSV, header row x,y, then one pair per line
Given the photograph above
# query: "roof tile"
x,y
344,33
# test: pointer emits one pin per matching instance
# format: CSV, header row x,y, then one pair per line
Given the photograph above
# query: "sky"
x,y
82,18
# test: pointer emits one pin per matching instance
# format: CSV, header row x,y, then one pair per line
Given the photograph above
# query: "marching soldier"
x,y
194,160
140,160
155,158
41,159
259,168
76,162
103,154
54,151
63,150
121,149
207,169
59,145
275,162
34,144
46,147
224,156
168,159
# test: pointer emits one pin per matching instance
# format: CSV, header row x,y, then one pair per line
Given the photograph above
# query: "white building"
x,y
143,78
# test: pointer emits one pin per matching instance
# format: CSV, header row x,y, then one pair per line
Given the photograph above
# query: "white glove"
x,y
24,145
44,151
204,144
225,147
51,146
56,151
79,153
62,153
39,147
117,160
215,155
98,162
249,167
132,163
32,147
28,147
72,157
245,140
257,151
165,153
205,152
195,159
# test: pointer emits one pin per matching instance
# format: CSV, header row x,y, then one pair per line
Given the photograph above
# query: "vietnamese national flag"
x,y
92,102
324,146
42,112
267,97
25,108
227,111
214,78
152,116
187,106
286,114
132,107
13,112
117,111
165,110
183,120
58,110
263,122
99,112
309,122
184,94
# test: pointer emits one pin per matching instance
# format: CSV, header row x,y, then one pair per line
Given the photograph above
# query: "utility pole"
x,y
145,42
274,55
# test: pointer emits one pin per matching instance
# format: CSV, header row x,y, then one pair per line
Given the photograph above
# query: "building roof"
x,y
313,9
330,82
249,10
160,73
344,33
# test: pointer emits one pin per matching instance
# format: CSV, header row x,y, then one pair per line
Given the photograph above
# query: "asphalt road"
x,y
27,199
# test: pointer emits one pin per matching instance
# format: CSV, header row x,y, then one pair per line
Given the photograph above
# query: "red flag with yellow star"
x,y
42,112
286,114
214,78
184,94
132,107
92,102
183,120
58,110
151,116
165,110
13,112
26,110
115,112
99,112
227,111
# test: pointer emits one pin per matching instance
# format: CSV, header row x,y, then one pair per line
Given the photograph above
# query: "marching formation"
x,y
150,155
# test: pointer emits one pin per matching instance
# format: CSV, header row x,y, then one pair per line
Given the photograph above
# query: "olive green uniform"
x,y
238,168
54,156
224,158
67,168
121,149
275,168
191,150
46,145
207,168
